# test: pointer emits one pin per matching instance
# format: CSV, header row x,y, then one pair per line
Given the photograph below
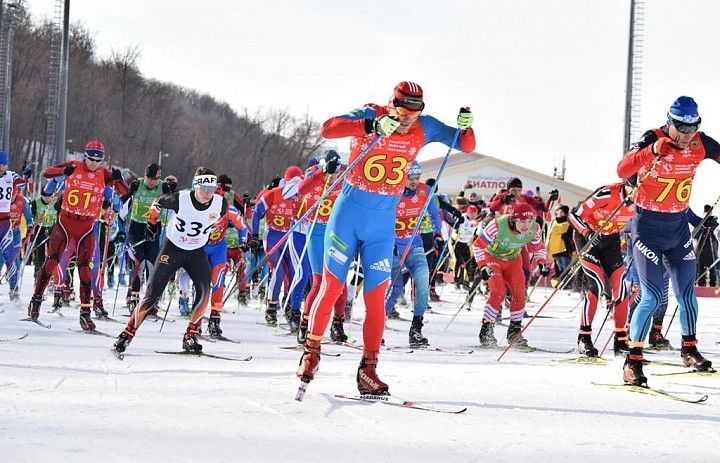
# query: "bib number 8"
x,y
682,192
405,224
278,221
375,170
73,198
325,208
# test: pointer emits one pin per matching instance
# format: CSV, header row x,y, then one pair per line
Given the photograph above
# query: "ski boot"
x,y
302,330
294,321
243,297
34,307
86,322
620,343
214,330
110,281
14,294
121,280
309,361
415,336
584,342
57,300
691,357
367,378
513,333
657,340
394,314
287,314
152,313
184,306
633,368
190,339
132,301
434,296
122,341
337,331
271,313
67,295
487,335
261,293
98,308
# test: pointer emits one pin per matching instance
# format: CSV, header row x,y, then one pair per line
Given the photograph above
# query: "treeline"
x,y
136,117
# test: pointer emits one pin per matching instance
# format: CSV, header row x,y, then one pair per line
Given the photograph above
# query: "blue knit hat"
x,y
4,158
684,110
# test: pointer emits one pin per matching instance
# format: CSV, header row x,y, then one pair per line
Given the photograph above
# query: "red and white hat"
x,y
408,95
523,211
95,150
471,209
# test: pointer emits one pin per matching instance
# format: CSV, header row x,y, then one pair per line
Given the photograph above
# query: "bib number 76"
x,y
682,190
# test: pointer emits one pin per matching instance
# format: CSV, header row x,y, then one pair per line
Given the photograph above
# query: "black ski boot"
x,y
487,335
585,344
98,308
657,340
271,313
214,330
394,314
243,297
633,368
691,357
434,295
513,333
302,331
416,337
288,314
122,341
190,339
57,301
34,307
337,331
86,322
620,343
295,319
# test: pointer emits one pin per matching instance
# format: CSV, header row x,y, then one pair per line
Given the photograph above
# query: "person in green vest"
x,y
45,215
143,248
497,253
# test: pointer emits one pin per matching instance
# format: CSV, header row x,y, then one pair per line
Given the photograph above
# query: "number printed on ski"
x,y
396,402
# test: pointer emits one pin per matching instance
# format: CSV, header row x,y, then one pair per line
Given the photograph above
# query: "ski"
x,y
36,321
653,392
443,350
93,332
300,347
118,355
155,318
203,354
14,339
222,338
526,349
586,360
396,402
106,318
709,373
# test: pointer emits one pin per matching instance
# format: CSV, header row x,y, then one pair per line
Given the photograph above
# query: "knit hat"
x,y
4,158
523,211
291,172
514,183
471,209
95,150
684,110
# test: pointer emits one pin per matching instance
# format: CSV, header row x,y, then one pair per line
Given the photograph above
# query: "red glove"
x,y
663,147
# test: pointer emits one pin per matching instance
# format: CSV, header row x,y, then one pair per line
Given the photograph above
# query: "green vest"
x,y
46,213
508,244
142,200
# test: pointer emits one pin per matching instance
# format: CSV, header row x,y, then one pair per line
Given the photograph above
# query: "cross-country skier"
x,y
671,155
363,217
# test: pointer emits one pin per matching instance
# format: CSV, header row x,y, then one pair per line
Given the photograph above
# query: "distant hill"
x,y
136,117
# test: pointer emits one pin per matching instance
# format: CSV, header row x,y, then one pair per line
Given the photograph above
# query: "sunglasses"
x,y
207,188
226,188
413,177
93,159
686,128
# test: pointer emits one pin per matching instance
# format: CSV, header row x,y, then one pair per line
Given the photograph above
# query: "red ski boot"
x,y
367,378
309,361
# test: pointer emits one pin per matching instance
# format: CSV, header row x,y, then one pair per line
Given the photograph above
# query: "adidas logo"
x,y
690,255
382,266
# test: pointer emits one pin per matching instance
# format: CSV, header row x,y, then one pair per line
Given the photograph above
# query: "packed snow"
x,y
64,397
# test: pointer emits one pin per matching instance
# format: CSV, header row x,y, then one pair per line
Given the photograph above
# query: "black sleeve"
x,y
33,209
170,201
165,188
131,190
712,147
648,138
567,238
224,207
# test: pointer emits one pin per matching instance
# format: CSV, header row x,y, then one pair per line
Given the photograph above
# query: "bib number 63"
x,y
383,168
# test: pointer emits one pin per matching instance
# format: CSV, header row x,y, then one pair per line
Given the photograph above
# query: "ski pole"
x,y
121,265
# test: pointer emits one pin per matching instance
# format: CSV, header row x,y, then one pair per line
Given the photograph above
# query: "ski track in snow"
x,y
63,395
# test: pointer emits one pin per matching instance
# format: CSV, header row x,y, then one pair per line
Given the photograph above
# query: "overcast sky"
x,y
545,79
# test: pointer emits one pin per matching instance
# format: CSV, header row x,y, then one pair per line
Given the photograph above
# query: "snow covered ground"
x,y
65,398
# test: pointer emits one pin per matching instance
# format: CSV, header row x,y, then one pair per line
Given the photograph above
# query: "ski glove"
x,y
151,231
332,162
27,170
116,174
120,238
508,199
485,272
465,119
68,170
554,195
385,125
439,242
663,147
543,269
